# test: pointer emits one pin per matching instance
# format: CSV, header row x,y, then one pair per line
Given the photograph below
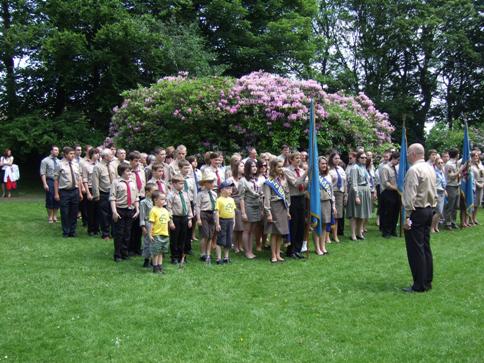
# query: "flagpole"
x,y
402,217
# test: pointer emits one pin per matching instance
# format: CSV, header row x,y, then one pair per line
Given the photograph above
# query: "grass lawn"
x,y
66,300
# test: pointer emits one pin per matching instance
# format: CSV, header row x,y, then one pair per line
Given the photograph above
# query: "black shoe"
x,y
219,262
360,237
203,258
147,264
292,255
174,261
72,235
125,257
394,234
117,259
226,260
190,253
299,256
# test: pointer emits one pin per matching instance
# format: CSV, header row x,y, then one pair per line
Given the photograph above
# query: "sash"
x,y
277,189
324,184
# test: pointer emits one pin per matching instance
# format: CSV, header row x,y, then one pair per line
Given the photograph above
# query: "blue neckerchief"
x,y
339,183
277,189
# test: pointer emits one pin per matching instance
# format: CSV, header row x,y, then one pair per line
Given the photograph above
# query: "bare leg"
x,y
273,248
278,248
334,228
317,245
353,228
219,252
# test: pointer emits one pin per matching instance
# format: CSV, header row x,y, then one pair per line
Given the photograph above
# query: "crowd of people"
x,y
152,204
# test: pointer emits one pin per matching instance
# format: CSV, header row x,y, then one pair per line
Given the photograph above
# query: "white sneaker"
x,y
304,247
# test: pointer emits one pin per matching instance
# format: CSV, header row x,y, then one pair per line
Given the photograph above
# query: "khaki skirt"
x,y
339,200
280,222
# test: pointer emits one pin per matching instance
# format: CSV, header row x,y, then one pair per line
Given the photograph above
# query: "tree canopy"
x,y
72,59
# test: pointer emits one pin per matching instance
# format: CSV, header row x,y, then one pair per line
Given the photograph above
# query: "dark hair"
x,y
67,149
183,163
453,153
331,157
53,146
5,152
157,166
191,159
155,195
134,155
234,168
214,155
150,187
248,168
395,155
358,155
260,164
122,168
93,151
157,150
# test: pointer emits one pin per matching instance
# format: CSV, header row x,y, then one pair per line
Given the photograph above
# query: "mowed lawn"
x,y
65,300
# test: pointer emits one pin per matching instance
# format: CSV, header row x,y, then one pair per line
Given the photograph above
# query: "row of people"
x,y
270,195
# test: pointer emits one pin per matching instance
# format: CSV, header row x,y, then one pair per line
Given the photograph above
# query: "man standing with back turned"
x,y
419,198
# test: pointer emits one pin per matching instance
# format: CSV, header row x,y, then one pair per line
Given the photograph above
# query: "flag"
x,y
314,192
466,182
402,169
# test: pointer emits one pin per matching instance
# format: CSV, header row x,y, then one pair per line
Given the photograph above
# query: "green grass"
x,y
65,300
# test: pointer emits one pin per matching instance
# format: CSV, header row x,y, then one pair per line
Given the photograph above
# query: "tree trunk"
x,y
8,61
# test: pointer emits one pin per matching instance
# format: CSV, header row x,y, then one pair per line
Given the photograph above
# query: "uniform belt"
x,y
207,211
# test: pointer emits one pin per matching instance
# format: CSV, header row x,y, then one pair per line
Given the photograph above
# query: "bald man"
x,y
419,199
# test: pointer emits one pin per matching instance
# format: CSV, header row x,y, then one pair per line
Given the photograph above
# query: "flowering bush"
x,y
259,109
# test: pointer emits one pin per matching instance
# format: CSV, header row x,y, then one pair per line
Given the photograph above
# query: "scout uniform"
x,y
390,200
91,205
103,175
48,166
68,177
125,194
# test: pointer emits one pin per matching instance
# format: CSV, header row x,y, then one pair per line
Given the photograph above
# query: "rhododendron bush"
x,y
259,109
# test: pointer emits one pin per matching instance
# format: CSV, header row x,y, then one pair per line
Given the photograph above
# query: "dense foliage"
x,y
418,60
259,109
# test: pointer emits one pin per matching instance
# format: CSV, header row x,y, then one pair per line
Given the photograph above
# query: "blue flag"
x,y
466,182
402,166
314,192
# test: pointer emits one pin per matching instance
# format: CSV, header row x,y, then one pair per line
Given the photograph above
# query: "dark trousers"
x,y
389,211
105,214
83,209
297,210
188,241
92,207
135,241
122,232
178,236
50,202
417,240
378,198
69,207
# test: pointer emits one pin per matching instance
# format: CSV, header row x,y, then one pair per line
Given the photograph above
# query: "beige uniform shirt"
x,y
63,175
87,170
342,175
119,193
103,176
48,166
388,175
478,171
203,202
420,187
451,167
142,177
160,185
271,196
297,184
190,188
175,205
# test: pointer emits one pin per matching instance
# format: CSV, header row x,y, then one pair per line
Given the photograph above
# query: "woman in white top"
x,y
6,161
